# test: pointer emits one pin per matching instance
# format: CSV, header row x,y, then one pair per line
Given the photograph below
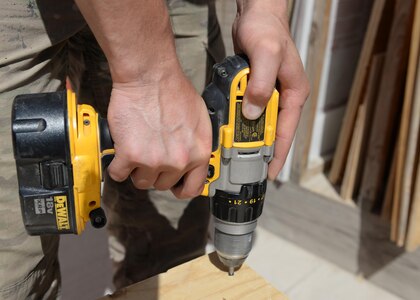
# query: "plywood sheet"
x,y
201,278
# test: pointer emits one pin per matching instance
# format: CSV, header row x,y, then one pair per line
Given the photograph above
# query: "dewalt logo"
x,y
61,212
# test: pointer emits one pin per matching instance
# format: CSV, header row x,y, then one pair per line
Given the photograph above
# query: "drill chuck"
x,y
233,242
235,220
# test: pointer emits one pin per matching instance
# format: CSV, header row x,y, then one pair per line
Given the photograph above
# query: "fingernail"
x,y
252,111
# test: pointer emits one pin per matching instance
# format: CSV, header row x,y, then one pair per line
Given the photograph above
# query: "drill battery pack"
x,y
59,182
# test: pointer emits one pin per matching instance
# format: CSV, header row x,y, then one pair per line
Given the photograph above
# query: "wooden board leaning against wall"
x,y
408,139
361,74
376,158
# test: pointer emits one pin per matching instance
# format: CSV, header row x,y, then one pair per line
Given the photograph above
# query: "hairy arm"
x,y
135,36
159,123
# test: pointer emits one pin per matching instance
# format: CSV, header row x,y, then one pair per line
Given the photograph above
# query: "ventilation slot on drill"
x,y
243,153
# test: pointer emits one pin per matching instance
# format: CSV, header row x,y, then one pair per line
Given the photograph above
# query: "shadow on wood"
x,y
376,250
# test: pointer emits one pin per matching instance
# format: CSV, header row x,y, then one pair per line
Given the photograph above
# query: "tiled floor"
x,y
304,276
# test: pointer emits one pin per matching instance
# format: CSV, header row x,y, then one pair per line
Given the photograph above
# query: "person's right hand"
x,y
261,31
161,132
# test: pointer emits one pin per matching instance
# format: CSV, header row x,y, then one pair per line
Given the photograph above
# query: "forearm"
x,y
136,37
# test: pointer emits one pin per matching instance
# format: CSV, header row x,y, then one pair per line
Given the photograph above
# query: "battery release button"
x,y
54,175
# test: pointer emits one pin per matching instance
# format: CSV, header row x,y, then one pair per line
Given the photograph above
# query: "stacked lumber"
x,y
376,161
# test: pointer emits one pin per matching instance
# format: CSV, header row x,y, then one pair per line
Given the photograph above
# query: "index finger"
x,y
286,127
293,93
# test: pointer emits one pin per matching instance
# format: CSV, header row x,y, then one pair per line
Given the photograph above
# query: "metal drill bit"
x,y
231,271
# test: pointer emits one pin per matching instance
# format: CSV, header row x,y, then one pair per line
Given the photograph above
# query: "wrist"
x,y
152,84
144,70
276,6
148,62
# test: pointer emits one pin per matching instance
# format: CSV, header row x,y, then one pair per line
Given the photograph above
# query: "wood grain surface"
x,y
202,278
413,233
408,134
412,152
388,104
357,153
387,206
356,93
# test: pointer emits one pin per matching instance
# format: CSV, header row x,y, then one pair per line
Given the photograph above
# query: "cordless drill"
x,y
237,175
62,150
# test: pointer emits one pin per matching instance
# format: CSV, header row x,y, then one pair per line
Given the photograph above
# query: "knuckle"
x,y
152,163
154,160
131,156
115,173
187,193
260,90
181,160
141,184
137,186
162,186
116,176
272,46
204,152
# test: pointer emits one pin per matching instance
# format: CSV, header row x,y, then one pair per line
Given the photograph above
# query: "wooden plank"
x,y
201,278
387,209
388,104
346,190
348,236
410,183
356,92
413,232
357,152
316,53
408,133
